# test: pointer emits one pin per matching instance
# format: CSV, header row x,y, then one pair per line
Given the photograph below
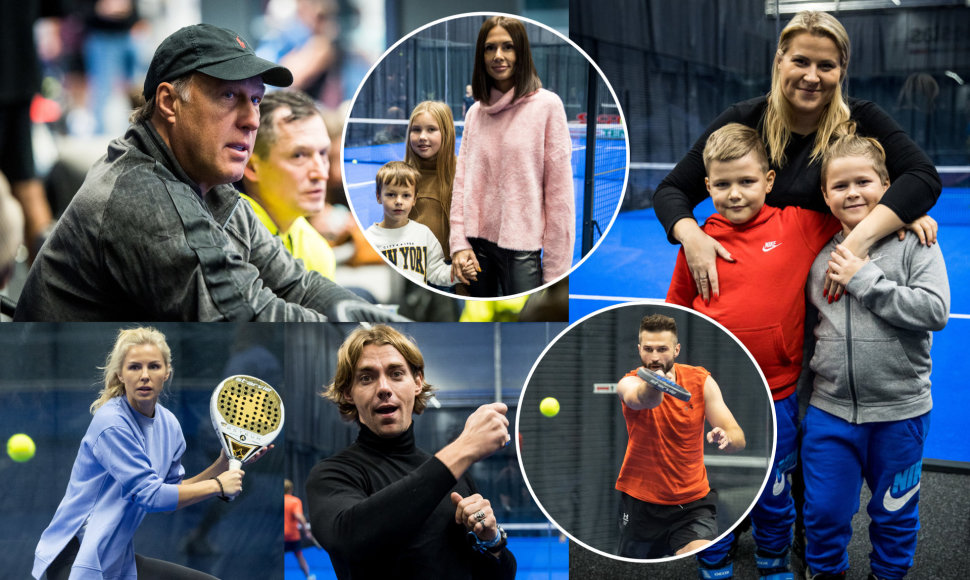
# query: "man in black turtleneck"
x,y
382,508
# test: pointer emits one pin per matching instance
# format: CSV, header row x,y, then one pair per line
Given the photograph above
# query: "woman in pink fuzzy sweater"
x,y
512,209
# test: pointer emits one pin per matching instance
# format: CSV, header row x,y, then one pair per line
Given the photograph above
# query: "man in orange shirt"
x,y
667,505
293,523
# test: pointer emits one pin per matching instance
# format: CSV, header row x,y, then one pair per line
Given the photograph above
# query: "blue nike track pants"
x,y
836,456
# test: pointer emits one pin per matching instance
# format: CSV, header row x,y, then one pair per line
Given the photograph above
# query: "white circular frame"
x,y
535,366
626,139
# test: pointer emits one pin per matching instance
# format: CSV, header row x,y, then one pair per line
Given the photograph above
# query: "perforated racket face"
x,y
250,404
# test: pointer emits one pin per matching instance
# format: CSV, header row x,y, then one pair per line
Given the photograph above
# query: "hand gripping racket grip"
x,y
663,384
233,464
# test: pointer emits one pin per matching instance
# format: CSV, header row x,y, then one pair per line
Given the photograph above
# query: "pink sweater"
x,y
514,181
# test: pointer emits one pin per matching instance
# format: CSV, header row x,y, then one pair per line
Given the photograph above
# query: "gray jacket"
x,y
140,242
872,353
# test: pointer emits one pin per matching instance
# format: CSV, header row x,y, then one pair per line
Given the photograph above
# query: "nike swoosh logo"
x,y
894,504
778,486
769,246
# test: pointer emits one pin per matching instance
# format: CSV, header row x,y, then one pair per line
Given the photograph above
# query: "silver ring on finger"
x,y
479,515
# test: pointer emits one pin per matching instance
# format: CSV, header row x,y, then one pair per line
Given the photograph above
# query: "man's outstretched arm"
x,y
726,432
637,394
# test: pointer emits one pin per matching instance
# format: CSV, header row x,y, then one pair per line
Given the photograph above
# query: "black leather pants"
x,y
504,272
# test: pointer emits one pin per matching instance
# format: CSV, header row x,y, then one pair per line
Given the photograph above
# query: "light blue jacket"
x,y
128,465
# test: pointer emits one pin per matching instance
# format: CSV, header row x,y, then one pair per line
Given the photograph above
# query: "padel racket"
x,y
247,414
663,384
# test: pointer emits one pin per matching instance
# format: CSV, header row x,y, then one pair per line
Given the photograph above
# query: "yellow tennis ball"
x,y
549,407
20,447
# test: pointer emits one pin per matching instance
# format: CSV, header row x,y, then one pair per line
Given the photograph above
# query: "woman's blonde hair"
x,y
445,161
127,338
349,355
779,116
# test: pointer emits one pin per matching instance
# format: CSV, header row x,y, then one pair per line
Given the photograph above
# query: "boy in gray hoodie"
x,y
869,411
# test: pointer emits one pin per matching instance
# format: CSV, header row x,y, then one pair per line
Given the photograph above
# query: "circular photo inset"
x,y
646,432
485,156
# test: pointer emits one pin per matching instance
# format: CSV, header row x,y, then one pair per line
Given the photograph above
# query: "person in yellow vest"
x,y
286,177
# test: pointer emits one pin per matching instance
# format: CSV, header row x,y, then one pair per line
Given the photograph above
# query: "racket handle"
x,y
234,463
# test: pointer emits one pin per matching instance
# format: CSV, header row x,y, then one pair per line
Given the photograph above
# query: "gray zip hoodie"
x,y
872,353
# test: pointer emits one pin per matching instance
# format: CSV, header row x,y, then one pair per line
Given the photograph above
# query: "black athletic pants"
x,y
148,568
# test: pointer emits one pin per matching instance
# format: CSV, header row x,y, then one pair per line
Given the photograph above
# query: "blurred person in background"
x,y
295,527
305,40
335,222
110,60
467,101
20,76
11,231
392,132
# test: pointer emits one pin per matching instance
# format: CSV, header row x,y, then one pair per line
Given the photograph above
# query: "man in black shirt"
x,y
384,508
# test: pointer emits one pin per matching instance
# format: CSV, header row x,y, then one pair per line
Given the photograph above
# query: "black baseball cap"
x,y
217,52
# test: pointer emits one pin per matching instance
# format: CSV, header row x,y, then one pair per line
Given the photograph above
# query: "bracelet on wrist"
x,y
494,545
222,490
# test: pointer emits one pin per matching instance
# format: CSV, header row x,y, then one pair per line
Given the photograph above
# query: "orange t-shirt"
x,y
664,461
291,505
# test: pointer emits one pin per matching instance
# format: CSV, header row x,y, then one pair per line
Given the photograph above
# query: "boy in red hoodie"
x,y
773,250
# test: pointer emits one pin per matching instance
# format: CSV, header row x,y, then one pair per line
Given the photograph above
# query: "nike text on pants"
x,y
836,456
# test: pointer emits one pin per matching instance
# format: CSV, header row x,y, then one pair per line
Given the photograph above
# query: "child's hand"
x,y
464,266
844,264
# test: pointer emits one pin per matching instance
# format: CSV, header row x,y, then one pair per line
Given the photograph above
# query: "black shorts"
x,y
649,531
294,546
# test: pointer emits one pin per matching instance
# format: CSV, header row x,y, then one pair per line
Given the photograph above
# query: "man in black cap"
x,y
156,232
